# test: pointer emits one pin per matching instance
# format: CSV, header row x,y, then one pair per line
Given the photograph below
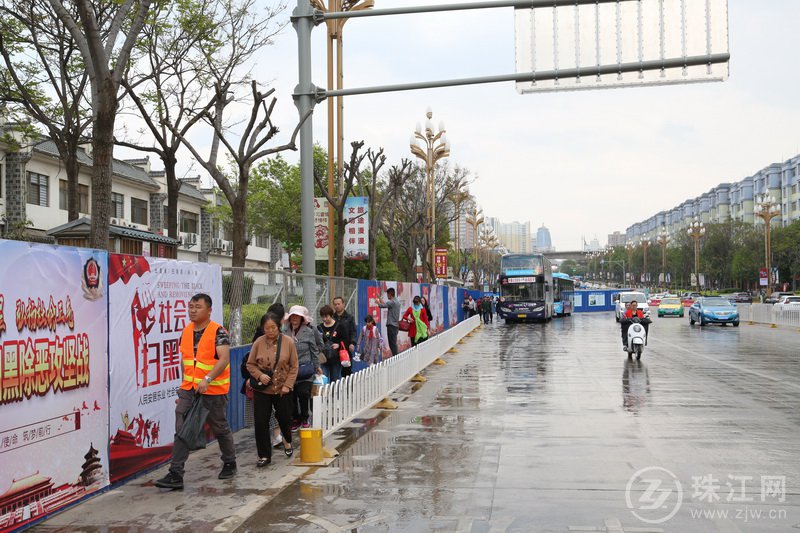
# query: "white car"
x,y
788,302
627,297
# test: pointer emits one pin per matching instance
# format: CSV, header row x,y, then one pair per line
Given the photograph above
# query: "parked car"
x,y
713,310
776,296
787,303
741,298
670,307
624,298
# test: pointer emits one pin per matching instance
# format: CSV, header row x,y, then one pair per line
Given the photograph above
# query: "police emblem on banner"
x,y
92,282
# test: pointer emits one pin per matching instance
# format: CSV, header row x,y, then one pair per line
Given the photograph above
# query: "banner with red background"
x,y
149,304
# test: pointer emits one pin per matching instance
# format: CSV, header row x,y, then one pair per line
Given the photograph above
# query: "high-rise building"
x,y
515,236
543,241
616,239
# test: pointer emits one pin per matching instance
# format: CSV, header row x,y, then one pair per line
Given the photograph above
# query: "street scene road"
x,y
549,427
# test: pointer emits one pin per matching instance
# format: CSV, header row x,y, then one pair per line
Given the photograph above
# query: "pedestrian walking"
x,y
465,306
494,310
273,368
369,342
486,309
205,352
473,307
305,341
332,335
276,309
427,307
392,319
348,331
416,314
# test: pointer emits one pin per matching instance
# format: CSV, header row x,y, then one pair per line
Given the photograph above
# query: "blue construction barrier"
x,y
592,301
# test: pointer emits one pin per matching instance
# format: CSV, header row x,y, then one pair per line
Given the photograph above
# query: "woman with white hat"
x,y
308,348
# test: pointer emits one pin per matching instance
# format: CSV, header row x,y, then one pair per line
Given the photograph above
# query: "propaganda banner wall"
x,y
149,302
54,379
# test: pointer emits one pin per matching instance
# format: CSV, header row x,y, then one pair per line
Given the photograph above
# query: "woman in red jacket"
x,y
416,314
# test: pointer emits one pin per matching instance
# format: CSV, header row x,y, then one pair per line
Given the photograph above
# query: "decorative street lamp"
x,y
663,240
475,219
767,208
645,243
696,231
630,247
435,146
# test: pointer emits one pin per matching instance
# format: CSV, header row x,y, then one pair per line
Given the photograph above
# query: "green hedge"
x,y
227,289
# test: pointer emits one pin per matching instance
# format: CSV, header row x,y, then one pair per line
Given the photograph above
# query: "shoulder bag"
x,y
257,385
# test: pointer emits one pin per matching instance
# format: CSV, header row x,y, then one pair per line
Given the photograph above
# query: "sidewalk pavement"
x,y
206,503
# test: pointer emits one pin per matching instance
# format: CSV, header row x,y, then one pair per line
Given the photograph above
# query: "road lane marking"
x,y
729,365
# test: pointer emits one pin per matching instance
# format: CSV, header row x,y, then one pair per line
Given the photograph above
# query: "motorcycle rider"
x,y
632,311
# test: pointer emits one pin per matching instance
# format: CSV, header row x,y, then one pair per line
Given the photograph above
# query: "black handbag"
x,y
257,385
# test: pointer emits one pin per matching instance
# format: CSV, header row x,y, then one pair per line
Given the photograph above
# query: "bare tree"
x,y
96,27
380,193
351,171
165,85
45,77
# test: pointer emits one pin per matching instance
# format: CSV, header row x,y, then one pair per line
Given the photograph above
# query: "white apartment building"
x,y
731,201
33,189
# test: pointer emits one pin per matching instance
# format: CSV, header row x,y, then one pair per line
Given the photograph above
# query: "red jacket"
x,y
639,314
423,315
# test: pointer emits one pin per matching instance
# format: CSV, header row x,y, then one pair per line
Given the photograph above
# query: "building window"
x,y
38,186
261,241
83,195
139,211
117,205
188,222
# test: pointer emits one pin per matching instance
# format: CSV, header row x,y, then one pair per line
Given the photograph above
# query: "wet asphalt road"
x,y
547,427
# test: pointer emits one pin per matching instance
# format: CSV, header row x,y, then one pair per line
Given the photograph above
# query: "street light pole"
x,y
335,29
696,231
767,208
645,243
629,247
663,240
435,146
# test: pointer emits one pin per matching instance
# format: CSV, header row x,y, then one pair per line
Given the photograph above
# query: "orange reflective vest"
x,y
197,366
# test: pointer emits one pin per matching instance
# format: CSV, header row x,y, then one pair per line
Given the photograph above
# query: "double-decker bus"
x,y
563,289
526,287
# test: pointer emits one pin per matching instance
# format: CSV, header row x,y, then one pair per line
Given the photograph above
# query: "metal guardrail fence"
x,y
257,289
341,401
778,315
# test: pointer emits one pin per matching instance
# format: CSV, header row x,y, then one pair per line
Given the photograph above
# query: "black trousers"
x,y
263,404
216,405
391,336
302,400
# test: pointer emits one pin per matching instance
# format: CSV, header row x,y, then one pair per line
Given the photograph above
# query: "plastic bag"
x,y
192,433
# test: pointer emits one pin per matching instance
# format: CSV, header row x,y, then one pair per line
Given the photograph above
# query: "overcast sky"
x,y
583,163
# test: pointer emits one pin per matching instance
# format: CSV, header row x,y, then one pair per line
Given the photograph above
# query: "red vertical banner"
x,y
440,262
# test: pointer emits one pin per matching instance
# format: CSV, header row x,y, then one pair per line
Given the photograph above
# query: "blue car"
x,y
712,310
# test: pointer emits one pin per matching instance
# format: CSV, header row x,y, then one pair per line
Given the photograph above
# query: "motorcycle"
x,y
637,336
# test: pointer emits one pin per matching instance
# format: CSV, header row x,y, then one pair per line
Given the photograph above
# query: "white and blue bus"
x,y
526,288
563,289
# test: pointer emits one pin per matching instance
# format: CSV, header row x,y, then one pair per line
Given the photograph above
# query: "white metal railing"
x,y
341,401
779,315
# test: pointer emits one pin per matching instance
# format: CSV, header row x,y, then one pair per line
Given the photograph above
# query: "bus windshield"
x,y
522,292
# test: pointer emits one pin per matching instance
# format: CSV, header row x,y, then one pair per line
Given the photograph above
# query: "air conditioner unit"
x,y
114,222
223,245
219,244
193,239
183,240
